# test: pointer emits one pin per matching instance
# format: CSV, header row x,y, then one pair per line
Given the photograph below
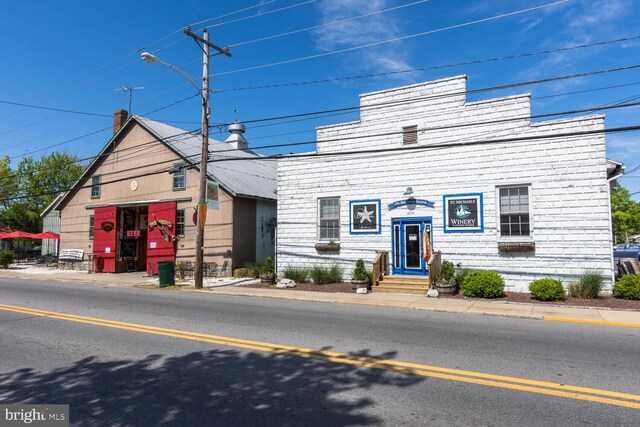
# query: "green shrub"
x,y
447,273
298,275
627,287
241,272
6,258
460,275
360,272
181,268
253,269
324,275
547,289
589,285
483,284
268,267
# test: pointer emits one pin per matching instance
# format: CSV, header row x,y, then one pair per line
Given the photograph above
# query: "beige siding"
x,y
138,153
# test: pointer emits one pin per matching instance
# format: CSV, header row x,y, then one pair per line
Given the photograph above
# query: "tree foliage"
x,y
625,214
26,190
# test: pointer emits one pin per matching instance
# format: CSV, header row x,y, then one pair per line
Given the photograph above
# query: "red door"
x,y
162,229
104,239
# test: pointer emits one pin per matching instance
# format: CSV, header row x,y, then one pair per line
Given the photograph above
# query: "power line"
x,y
429,68
395,39
439,145
407,149
315,27
446,95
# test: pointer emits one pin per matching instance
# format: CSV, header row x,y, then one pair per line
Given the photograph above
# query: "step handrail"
x,y
434,267
379,267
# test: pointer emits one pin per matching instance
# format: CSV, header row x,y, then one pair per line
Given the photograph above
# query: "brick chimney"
x,y
119,117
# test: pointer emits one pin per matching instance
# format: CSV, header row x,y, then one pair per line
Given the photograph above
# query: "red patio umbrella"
x,y
45,235
19,234
4,235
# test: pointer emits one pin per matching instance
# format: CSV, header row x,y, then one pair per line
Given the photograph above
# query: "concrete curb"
x,y
557,313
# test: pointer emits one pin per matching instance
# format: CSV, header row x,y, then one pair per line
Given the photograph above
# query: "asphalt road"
x,y
122,374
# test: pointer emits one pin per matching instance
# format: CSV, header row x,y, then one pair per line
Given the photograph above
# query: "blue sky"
x,y
73,55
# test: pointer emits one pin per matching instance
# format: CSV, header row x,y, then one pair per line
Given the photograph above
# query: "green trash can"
x,y
166,273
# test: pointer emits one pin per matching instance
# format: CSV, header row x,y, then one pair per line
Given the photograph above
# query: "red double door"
x,y
160,247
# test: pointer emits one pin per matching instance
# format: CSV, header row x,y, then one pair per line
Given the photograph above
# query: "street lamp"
x,y
204,93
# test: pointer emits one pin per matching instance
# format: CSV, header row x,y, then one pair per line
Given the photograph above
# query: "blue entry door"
x,y
407,242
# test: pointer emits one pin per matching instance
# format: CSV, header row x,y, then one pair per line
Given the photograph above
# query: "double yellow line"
x,y
500,381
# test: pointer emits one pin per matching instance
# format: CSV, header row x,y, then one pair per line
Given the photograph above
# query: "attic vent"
x,y
409,135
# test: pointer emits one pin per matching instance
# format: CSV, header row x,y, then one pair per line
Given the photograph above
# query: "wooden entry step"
x,y
403,284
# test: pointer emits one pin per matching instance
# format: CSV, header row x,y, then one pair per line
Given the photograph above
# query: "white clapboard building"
x,y
493,189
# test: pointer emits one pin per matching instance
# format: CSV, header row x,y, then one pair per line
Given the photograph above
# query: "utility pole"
x,y
202,195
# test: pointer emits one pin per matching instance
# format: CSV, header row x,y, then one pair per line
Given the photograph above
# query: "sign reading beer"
x,y
365,217
463,213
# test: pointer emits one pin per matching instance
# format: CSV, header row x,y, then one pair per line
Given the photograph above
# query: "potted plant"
x,y
268,272
446,283
360,276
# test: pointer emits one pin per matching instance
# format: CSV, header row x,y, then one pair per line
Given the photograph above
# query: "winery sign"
x,y
463,213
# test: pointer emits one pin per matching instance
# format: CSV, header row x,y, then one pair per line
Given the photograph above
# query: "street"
x,y
127,356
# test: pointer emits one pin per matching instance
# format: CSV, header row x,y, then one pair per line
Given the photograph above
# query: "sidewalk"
x,y
406,301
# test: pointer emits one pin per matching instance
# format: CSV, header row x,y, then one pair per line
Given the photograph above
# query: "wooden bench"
x,y
69,257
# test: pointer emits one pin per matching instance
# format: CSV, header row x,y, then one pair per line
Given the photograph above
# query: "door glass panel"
x,y
396,246
412,246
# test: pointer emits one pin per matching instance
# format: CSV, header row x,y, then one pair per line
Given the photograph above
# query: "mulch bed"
x,y
602,302
330,287
513,297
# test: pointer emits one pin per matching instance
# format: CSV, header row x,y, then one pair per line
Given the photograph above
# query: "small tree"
x,y
268,267
360,273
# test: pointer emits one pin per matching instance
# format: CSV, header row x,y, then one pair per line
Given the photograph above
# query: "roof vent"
x,y
236,140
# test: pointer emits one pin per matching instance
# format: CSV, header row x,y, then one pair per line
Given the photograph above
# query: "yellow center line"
x,y
500,381
592,322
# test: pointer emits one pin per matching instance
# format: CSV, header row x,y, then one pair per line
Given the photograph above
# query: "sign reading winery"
x,y
463,213
365,217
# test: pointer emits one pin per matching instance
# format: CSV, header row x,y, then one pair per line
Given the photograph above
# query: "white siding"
x,y
569,194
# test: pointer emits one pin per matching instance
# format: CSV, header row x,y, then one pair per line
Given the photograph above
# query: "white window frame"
x,y
96,186
181,171
319,219
520,238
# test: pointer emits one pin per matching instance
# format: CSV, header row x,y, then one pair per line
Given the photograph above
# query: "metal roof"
x,y
251,177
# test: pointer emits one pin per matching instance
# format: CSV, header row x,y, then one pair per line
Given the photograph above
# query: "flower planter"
x,y
268,279
355,284
447,289
327,247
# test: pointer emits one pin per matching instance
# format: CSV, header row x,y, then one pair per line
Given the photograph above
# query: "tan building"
x,y
135,204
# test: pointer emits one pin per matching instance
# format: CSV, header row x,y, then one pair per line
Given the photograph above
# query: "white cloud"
x,y
362,31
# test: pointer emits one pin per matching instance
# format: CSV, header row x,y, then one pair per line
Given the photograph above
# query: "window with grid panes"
x,y
180,222
329,218
95,187
91,217
514,211
180,177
